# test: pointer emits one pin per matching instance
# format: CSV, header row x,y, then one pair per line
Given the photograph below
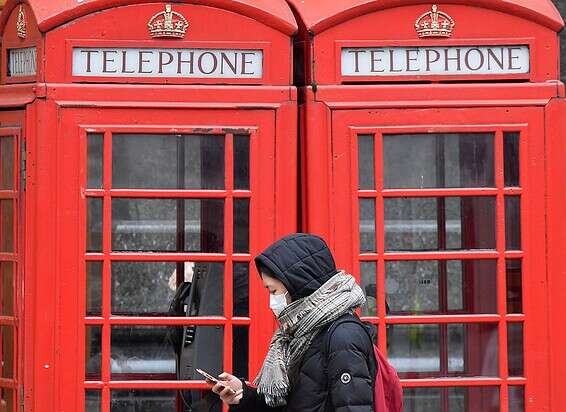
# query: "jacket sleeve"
x,y
349,378
252,402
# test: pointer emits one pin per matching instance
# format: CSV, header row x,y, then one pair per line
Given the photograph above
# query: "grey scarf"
x,y
300,321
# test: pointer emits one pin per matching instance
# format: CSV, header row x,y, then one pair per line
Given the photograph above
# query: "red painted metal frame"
x,y
530,122
15,320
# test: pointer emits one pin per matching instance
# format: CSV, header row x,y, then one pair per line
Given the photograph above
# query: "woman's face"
x,y
275,286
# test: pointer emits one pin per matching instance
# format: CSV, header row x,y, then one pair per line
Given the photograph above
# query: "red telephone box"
x,y
425,165
146,156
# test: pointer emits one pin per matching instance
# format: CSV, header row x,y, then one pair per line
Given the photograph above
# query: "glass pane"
x,y
420,161
7,223
92,400
367,225
191,225
514,286
93,352
513,222
413,224
475,398
422,400
511,156
151,161
516,399
134,400
7,359
471,350
241,162
366,162
153,352
368,284
94,224
156,289
515,349
241,225
7,306
7,399
241,289
95,147
240,350
7,163
415,287
94,288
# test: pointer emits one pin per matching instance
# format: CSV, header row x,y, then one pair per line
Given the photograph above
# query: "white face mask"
x,y
278,302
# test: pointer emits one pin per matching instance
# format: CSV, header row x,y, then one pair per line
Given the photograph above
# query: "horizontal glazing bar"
x,y
460,255
442,382
149,193
8,383
8,194
8,320
139,384
168,257
427,319
158,321
8,257
439,192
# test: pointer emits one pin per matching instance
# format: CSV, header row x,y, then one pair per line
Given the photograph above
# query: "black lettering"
x,y
88,58
448,59
429,61
512,58
214,63
498,60
467,59
161,62
124,62
245,62
392,62
180,62
374,60
106,60
411,59
232,64
141,61
356,54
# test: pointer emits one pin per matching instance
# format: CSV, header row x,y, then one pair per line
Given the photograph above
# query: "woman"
x,y
300,373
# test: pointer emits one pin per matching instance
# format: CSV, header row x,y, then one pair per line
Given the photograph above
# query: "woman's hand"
x,y
230,388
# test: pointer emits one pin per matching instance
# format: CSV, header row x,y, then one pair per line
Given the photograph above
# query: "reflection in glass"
x,y
516,399
458,399
93,288
93,352
7,358
416,350
511,158
153,400
7,398
7,226
151,161
94,224
7,304
367,225
92,400
366,162
240,350
95,147
149,288
416,286
241,225
7,163
515,349
191,225
368,284
451,223
241,289
241,162
514,286
438,160
153,352
513,222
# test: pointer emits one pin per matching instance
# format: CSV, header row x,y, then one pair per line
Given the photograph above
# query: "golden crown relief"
x,y
21,25
434,24
168,23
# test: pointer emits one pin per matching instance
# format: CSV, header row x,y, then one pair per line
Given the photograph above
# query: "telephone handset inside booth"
x,y
198,346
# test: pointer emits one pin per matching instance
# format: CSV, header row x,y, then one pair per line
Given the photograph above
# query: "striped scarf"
x,y
300,321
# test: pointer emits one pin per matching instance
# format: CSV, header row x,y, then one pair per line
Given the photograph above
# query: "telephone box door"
x,y
448,210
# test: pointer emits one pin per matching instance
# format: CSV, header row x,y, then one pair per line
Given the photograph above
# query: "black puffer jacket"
x,y
339,378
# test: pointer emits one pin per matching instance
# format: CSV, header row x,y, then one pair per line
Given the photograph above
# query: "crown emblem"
x,y
168,23
21,25
434,24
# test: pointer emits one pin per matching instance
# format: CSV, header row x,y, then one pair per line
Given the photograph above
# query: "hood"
x,y
303,262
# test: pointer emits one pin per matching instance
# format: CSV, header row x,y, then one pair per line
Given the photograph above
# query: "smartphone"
x,y
213,379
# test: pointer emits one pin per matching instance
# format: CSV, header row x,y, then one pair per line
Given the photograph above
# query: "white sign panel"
x,y
21,62
179,63
426,61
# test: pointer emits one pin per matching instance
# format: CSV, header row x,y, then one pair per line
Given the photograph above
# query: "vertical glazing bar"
x,y
501,268
356,249
380,242
106,268
229,249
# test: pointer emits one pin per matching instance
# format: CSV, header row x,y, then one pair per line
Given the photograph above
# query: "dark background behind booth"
x,y
561,5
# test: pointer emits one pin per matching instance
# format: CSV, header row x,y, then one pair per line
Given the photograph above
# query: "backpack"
x,y
387,391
